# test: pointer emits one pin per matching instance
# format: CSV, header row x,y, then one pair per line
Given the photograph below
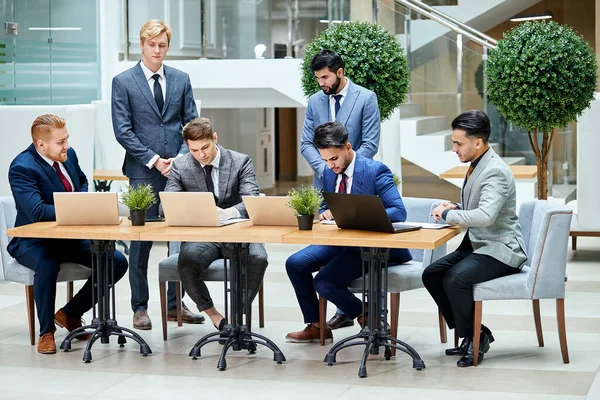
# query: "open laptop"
x,y
270,210
192,209
86,208
363,212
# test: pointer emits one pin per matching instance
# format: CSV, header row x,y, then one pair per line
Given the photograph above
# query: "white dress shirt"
x,y
215,178
349,174
62,169
343,92
163,85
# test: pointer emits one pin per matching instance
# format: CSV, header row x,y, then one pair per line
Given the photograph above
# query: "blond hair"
x,y
41,127
198,129
154,27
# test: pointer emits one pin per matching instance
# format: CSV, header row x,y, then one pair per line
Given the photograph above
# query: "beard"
x,y
333,88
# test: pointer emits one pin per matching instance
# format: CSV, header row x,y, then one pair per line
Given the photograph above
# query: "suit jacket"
x,y
488,209
236,178
360,115
138,125
374,178
33,183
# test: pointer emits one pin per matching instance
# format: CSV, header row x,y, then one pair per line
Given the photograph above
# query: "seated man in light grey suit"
x,y
229,175
343,101
493,244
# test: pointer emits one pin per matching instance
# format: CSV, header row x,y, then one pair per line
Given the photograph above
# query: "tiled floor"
x,y
515,368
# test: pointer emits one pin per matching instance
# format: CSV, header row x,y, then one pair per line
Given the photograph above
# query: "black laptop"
x,y
363,212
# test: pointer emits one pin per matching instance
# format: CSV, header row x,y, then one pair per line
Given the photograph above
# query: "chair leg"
x,y
162,288
455,338
261,306
69,291
322,319
538,322
30,313
442,324
574,242
476,331
562,329
395,311
178,301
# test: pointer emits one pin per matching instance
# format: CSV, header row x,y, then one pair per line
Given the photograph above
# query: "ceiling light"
x,y
43,28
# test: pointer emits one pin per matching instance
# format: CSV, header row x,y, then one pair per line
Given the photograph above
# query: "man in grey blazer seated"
x,y
229,175
352,105
493,244
150,104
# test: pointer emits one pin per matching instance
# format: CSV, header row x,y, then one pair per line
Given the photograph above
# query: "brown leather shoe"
x,y
46,344
141,320
186,316
64,321
340,321
310,334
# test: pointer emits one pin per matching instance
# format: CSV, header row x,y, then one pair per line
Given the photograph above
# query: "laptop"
x,y
270,210
363,212
192,209
86,208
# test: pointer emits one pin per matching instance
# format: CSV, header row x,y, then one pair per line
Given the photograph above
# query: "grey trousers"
x,y
195,257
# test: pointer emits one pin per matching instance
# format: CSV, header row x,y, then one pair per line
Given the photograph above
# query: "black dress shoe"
x,y
339,321
458,351
487,331
467,359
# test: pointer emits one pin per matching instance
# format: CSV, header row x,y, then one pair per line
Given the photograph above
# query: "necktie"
x,y
342,187
158,94
209,182
469,172
62,177
337,98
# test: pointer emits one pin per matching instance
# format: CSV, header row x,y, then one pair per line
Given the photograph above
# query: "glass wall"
x,y
53,55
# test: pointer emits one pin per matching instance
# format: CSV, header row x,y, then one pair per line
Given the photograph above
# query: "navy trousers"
x,y
45,260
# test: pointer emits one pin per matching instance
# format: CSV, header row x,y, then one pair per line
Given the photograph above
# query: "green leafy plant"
x,y
541,76
373,59
305,201
139,198
397,180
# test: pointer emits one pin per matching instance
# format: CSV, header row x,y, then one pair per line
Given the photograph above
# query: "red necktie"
x,y
342,187
62,177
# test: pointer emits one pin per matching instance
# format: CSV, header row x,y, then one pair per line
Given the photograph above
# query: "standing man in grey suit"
x,y
493,244
150,104
229,175
343,101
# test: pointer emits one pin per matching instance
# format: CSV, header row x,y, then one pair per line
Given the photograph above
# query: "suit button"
x,y
166,141
162,124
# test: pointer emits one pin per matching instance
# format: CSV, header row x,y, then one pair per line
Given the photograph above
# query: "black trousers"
x,y
450,282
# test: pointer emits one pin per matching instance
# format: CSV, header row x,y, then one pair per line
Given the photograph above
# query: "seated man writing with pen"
x,y
347,172
229,175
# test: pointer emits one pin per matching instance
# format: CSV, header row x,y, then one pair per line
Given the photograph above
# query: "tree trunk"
x,y
542,175
541,155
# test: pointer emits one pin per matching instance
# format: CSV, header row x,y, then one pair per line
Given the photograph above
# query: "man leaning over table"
x,y
47,166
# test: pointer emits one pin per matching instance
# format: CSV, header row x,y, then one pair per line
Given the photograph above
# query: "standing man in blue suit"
x,y
151,103
348,172
47,166
348,103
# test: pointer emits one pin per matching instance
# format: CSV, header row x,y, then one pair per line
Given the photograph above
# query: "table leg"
x,y
376,333
104,322
237,334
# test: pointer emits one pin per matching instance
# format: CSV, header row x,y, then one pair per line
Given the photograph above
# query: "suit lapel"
x,y
51,172
357,176
170,83
197,173
475,175
349,102
140,79
324,114
224,171
72,174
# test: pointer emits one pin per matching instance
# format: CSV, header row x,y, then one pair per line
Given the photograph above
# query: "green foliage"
x,y
306,201
139,198
542,75
397,180
373,59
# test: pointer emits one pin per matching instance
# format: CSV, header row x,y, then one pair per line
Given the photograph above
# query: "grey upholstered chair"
x,y
404,277
545,226
168,272
12,271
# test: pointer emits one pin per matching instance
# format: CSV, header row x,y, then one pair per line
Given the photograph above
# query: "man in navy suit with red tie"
x,y
50,165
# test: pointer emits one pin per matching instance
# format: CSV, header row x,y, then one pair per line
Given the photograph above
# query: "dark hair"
x,y
474,123
330,134
326,58
198,129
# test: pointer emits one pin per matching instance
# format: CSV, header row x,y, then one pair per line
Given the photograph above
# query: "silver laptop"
x,y
87,208
270,210
192,209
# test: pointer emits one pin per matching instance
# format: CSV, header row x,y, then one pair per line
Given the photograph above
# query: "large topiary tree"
x,y
372,57
541,76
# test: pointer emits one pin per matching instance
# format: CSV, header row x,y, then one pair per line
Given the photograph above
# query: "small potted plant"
x,y
397,181
139,199
305,202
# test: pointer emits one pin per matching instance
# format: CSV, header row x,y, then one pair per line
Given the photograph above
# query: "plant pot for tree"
x,y
305,222
138,218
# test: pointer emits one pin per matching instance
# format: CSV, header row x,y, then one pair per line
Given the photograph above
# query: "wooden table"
x,y
519,172
102,238
103,178
375,249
